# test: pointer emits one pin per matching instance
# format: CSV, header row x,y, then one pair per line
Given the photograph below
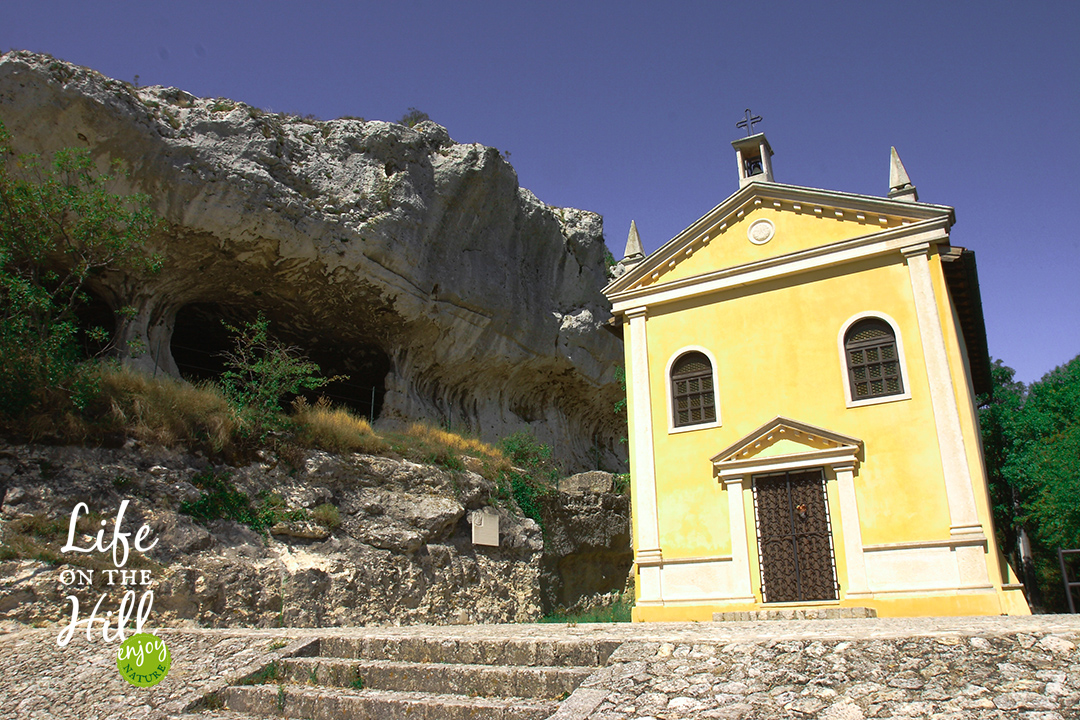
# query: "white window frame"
x,y
672,430
846,374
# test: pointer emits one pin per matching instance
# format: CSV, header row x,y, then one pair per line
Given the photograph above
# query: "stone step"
x,y
441,678
312,703
832,613
216,715
469,651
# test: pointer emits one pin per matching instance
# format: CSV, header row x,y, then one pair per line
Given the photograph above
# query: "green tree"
x,y
60,229
1031,440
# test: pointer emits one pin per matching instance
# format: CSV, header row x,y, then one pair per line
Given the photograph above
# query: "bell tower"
x,y
753,153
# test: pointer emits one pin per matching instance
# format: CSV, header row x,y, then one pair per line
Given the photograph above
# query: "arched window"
x,y
693,399
872,360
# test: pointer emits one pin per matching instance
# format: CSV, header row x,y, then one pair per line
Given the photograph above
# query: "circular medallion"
x,y
143,660
760,231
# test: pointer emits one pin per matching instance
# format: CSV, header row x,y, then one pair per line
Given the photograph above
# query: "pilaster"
x,y
740,549
964,519
849,522
646,528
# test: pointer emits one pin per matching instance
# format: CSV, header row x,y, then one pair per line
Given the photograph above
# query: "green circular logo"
x,y
143,660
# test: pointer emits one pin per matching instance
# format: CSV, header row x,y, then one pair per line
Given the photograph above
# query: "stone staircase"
x,y
387,678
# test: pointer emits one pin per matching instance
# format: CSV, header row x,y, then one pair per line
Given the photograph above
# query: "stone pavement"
x,y
943,668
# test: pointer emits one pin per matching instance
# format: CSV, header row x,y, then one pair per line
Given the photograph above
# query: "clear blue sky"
x,y
628,108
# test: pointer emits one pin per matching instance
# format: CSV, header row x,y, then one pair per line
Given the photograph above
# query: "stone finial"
x,y
633,244
900,187
633,254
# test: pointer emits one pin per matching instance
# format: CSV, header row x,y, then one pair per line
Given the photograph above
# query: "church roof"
x,y
759,191
962,279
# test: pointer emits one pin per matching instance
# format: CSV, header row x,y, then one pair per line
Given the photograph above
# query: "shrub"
x,y
531,476
618,612
260,371
413,117
220,500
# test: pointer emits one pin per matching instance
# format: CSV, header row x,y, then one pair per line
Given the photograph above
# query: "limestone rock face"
x,y
414,264
402,552
587,552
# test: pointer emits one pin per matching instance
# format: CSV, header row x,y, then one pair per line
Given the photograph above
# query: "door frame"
x,y
840,455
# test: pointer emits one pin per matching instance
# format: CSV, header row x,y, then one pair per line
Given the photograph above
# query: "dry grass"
x,y
166,411
427,435
426,444
334,429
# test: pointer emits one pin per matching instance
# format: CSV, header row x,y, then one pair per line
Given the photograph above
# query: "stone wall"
x,y
587,548
838,670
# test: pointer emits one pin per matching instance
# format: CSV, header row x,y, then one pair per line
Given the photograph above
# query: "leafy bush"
x,y
220,500
618,611
60,228
532,473
260,372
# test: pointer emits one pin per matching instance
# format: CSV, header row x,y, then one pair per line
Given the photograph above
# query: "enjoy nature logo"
x,y
142,659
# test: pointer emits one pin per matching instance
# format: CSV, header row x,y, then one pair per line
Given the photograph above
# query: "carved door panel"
x,y
795,549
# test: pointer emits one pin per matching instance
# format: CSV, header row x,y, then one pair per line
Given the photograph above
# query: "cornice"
x,y
931,231
756,194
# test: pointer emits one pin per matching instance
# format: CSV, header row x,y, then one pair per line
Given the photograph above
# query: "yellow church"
x,y
801,367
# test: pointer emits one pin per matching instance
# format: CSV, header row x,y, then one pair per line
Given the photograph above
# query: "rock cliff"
x,y
399,549
414,264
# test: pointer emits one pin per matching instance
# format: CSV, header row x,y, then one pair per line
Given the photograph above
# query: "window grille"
x,y
692,391
873,362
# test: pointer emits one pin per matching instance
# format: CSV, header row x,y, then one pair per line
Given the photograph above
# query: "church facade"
x,y
801,375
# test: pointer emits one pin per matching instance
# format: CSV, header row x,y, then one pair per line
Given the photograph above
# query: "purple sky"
x,y
628,108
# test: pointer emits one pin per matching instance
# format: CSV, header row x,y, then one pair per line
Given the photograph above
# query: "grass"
x,y
268,674
333,429
617,612
327,515
165,411
434,446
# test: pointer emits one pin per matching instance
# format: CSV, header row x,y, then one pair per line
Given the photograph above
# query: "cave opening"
x,y
200,340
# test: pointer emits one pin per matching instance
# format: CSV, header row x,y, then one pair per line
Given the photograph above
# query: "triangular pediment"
x,y
785,438
763,221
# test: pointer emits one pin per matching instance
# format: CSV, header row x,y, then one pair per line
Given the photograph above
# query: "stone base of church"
x,y
957,603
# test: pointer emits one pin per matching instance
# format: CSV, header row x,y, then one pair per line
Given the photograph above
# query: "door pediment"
x,y
785,444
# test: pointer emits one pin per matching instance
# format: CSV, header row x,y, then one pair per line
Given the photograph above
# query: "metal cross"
x,y
748,123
